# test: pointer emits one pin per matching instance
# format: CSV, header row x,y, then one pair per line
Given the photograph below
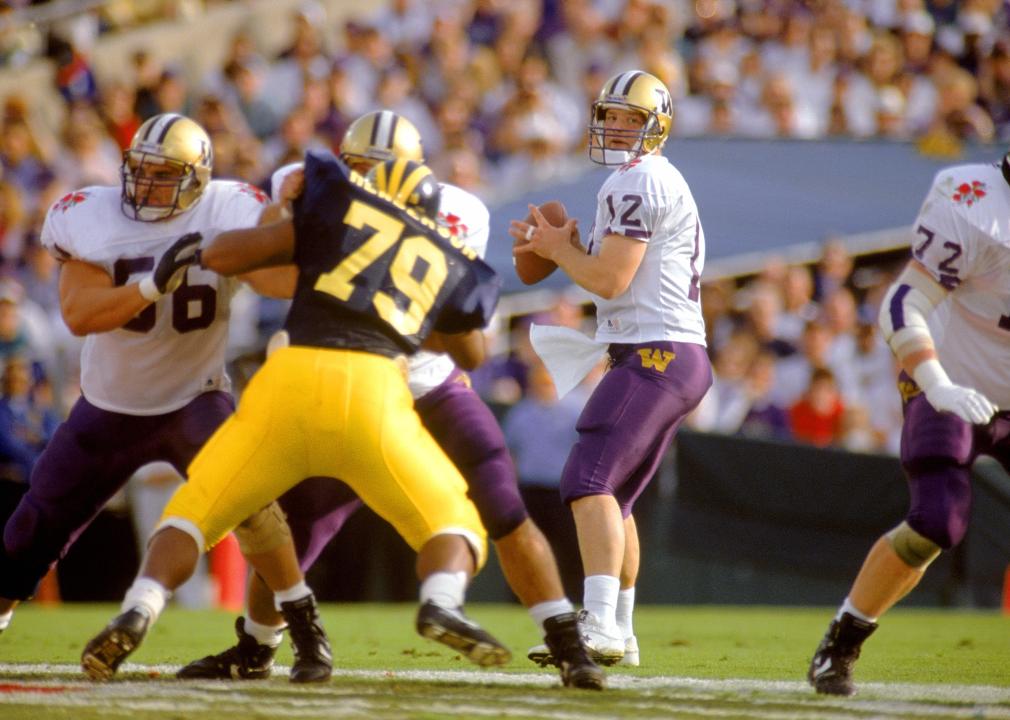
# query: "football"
x,y
530,267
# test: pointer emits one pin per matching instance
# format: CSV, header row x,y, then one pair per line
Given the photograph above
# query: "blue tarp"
x,y
759,197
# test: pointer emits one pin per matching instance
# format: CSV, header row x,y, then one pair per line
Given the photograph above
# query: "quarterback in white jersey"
x,y
647,200
461,424
153,380
947,319
642,265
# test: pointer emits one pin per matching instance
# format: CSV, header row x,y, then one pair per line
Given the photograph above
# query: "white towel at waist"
x,y
568,354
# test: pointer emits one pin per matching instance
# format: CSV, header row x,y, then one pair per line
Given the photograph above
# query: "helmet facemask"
x,y
166,168
630,91
643,141
152,198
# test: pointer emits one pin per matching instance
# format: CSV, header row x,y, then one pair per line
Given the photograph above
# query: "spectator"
x,y
12,225
245,82
118,112
764,418
832,270
13,335
22,160
91,157
27,419
817,417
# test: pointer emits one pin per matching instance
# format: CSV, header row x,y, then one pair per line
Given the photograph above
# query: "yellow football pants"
x,y
334,413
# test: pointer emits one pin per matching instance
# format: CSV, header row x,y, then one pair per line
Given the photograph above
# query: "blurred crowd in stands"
x,y
500,90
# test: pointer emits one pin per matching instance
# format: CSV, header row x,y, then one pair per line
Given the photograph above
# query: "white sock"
x,y
270,635
296,592
600,597
848,607
147,595
625,609
5,619
548,609
445,589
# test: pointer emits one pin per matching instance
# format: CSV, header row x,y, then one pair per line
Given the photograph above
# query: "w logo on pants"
x,y
658,359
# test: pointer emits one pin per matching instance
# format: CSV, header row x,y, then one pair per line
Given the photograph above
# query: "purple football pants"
x,y
937,452
465,428
631,418
90,457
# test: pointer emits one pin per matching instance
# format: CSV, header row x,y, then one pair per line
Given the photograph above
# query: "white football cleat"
x,y
604,643
631,657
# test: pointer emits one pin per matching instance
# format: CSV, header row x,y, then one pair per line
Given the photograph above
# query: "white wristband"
x,y
930,374
149,290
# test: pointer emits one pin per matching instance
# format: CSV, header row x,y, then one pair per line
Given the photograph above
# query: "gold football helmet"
x,y
379,136
408,182
166,168
632,90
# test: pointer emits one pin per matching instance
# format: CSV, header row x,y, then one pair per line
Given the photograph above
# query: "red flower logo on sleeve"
x,y
261,197
969,193
69,200
454,223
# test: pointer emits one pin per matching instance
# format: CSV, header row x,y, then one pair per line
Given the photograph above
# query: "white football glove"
x,y
968,404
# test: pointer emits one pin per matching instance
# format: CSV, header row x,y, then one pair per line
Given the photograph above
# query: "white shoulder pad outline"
x,y
278,177
466,216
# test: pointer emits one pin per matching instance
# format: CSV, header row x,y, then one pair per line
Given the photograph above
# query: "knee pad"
x,y
476,543
263,531
915,550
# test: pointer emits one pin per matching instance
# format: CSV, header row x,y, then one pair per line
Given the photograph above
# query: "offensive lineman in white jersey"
x,y
642,266
947,319
465,429
153,378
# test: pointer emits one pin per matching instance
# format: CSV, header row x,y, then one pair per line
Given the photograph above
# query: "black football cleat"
x,y
570,655
106,651
831,667
247,660
313,658
454,629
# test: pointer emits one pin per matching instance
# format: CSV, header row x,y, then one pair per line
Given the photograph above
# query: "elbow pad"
x,y
903,313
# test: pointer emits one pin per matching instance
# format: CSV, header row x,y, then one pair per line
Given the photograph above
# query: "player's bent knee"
x,y
914,549
263,531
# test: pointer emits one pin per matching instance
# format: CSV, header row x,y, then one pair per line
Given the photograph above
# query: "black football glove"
x,y
171,267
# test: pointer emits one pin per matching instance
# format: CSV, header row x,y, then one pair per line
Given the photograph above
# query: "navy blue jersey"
x,y
374,276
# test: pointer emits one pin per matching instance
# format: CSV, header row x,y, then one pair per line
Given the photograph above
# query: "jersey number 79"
x,y
421,293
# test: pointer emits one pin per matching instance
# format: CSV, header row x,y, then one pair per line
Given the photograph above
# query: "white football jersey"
x,y
963,239
175,348
467,218
649,200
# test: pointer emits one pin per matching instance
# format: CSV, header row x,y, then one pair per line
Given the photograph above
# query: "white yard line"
x,y
648,697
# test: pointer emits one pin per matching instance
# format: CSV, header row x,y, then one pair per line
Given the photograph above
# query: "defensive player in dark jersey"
x,y
374,280
460,422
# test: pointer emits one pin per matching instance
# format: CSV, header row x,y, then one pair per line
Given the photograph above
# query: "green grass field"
x,y
697,662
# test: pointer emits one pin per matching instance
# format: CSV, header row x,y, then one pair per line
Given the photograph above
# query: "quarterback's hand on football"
x,y
171,268
968,404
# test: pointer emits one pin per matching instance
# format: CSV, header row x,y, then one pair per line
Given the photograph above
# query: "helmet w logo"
x,y
664,103
654,358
